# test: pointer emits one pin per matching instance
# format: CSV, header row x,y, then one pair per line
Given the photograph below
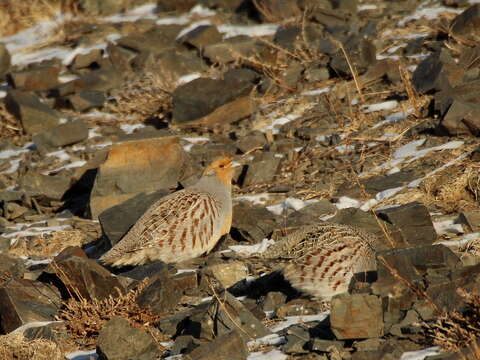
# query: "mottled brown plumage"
x,y
180,226
321,259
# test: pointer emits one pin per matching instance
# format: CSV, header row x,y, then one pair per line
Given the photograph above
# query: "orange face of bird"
x,y
222,169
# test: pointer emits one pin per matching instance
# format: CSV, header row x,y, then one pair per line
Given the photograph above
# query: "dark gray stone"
x,y
202,36
252,223
183,345
202,96
262,171
255,139
85,100
118,340
231,49
161,294
466,25
85,60
273,300
4,60
230,346
26,301
117,220
35,79
34,116
357,316
69,133
412,222
322,345
461,119
141,272
50,186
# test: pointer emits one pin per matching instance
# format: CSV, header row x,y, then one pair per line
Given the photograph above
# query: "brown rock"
x,y
36,79
160,162
356,316
230,346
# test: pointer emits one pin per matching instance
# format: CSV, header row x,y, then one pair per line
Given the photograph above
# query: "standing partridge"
x,y
321,259
182,225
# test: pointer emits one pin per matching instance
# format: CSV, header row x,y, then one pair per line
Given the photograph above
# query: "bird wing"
x,y
177,223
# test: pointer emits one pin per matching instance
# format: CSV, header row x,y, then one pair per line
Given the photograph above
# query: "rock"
x,y
202,96
322,345
10,268
86,60
13,210
298,307
34,116
296,340
461,119
413,223
234,48
161,294
361,52
156,40
180,6
263,170
141,272
117,220
273,301
69,133
117,340
186,280
437,72
409,263
227,274
252,223
85,277
276,11
85,100
217,322
4,60
50,186
230,346
256,139
472,219
183,344
465,26
114,182
102,80
121,57
172,325
26,301
357,316
56,332
202,36
36,78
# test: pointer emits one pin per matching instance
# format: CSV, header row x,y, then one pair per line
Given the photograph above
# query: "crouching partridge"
x,y
182,225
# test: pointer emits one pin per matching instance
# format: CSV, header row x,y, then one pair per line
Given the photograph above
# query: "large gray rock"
x,y
26,301
69,133
202,96
357,316
230,346
34,116
49,186
262,171
119,341
161,293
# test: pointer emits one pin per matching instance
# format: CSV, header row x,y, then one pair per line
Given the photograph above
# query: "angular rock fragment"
x,y
229,273
465,26
26,301
413,223
34,115
161,294
69,133
263,170
116,180
4,60
84,100
357,316
35,79
120,341
461,119
230,346
202,36
49,186
252,223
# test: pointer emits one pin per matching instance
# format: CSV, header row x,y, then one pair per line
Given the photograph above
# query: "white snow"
x,y
447,226
420,354
33,324
14,165
345,202
82,355
62,155
366,7
271,355
146,11
277,122
34,231
74,164
408,149
465,239
193,26
187,78
300,319
5,154
193,141
130,128
249,30
316,92
93,133
429,13
258,199
386,105
290,203
393,118
173,20
30,262
247,250
342,149
271,339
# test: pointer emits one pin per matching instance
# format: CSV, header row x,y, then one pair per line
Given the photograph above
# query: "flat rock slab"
x,y
69,133
357,316
26,301
133,167
34,115
49,186
230,346
161,293
413,223
35,79
119,341
118,219
86,277
229,273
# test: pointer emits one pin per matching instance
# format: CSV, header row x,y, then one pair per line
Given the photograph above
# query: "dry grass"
x,y
47,245
84,318
456,330
145,98
15,346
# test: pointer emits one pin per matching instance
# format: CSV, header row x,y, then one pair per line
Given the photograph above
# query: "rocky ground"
x,y
355,112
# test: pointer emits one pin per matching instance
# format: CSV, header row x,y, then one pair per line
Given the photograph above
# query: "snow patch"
x,y
386,105
247,250
258,199
292,320
249,30
271,355
316,92
420,354
448,226
129,129
290,203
